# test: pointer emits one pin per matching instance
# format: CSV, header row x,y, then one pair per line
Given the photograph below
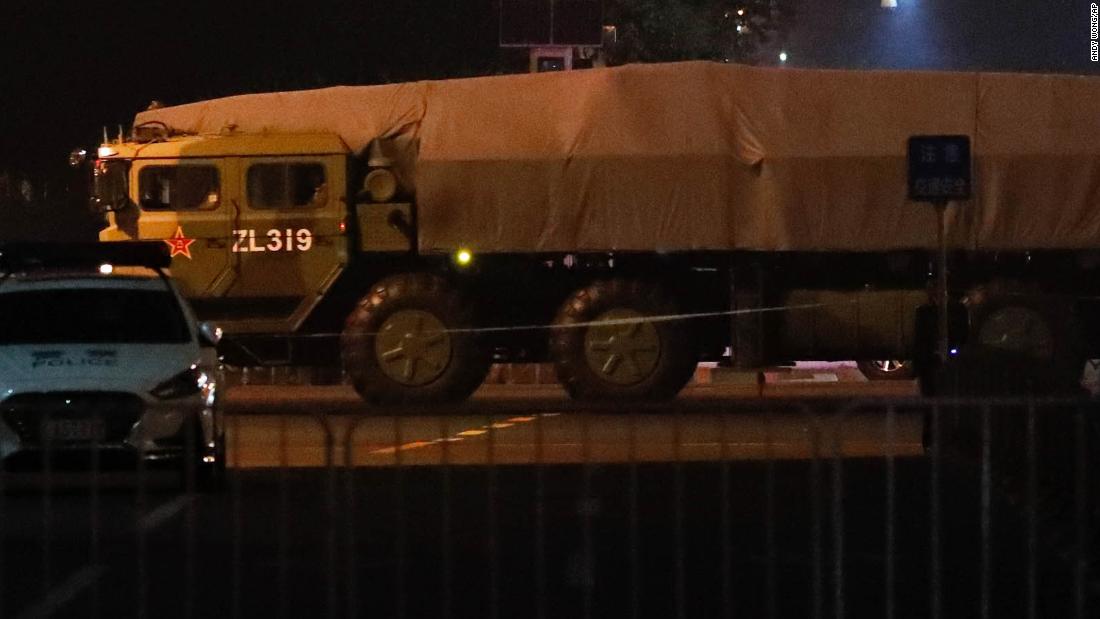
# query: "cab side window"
x,y
178,187
287,185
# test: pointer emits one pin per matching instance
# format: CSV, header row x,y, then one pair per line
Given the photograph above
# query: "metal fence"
x,y
892,508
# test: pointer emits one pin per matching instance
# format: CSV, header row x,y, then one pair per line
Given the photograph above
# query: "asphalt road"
x,y
537,424
682,511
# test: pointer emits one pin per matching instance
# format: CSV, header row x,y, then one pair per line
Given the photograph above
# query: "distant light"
x,y
741,12
739,26
106,269
783,56
463,257
954,351
889,4
77,157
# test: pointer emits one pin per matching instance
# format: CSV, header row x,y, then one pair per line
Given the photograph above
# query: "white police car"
x,y
99,353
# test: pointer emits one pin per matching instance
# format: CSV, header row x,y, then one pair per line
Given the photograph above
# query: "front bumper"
x,y
114,424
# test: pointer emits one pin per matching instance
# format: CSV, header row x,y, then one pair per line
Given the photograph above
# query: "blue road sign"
x,y
939,168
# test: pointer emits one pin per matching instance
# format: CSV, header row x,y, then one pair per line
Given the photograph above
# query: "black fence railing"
x,y
892,508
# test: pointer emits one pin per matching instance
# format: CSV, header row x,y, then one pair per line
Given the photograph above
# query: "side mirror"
x,y
209,335
110,185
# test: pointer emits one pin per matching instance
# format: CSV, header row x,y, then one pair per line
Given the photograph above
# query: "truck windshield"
x,y
110,185
91,315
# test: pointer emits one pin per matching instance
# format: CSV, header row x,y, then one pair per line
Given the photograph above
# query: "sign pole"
x,y
939,173
941,277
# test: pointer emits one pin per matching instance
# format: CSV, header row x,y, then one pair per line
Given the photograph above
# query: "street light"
x,y
910,37
783,57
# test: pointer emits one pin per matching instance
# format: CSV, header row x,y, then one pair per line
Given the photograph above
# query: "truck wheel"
x,y
886,369
622,360
408,342
1019,342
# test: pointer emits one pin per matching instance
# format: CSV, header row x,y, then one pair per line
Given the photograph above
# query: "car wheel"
x,y
210,476
886,369
202,469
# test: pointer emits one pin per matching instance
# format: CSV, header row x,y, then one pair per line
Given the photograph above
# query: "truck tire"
x,y
632,361
408,341
1020,341
886,369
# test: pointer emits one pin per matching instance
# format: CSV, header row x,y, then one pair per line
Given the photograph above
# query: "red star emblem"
x,y
180,244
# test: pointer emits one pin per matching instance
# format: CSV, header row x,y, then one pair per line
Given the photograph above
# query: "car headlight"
x,y
188,382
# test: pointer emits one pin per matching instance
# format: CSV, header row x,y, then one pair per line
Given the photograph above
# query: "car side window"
x,y
179,187
287,185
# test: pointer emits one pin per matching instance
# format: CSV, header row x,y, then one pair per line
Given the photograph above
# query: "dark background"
x,y
70,69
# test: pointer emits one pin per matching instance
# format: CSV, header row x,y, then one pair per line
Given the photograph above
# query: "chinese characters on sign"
x,y
939,168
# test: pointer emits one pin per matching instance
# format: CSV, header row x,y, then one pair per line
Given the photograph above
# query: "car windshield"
x,y
91,315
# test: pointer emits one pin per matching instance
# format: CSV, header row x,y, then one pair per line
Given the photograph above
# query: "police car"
x,y
100,354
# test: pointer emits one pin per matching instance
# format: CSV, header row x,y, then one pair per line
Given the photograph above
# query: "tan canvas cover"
x,y
705,156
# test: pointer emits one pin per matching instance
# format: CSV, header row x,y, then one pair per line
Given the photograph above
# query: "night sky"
x,y
71,68
981,35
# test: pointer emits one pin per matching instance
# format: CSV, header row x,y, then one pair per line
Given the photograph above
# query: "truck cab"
x,y
255,223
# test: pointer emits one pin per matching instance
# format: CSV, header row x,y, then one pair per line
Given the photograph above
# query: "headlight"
x,y
381,185
77,157
187,382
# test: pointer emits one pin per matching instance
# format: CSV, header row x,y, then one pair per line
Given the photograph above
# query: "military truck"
x,y
625,224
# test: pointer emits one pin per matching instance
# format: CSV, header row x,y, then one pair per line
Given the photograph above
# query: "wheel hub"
x,y
623,353
889,365
413,347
